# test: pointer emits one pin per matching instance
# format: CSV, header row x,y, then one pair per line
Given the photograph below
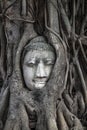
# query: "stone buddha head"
x,y
38,59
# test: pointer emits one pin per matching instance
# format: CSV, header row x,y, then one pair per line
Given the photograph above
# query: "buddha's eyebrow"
x,y
30,60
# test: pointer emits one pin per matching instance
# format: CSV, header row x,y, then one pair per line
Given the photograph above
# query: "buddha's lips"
x,y
39,81
39,84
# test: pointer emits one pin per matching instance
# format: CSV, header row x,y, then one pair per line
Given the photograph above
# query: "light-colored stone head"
x,y
37,62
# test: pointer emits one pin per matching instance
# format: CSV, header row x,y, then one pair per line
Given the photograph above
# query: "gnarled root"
x,y
66,120
17,117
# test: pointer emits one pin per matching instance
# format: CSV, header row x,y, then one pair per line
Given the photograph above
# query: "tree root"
x,y
4,101
68,119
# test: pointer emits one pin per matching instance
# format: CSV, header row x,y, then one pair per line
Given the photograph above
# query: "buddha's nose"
x,y
40,71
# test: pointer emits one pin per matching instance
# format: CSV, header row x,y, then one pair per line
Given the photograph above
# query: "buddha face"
x,y
37,67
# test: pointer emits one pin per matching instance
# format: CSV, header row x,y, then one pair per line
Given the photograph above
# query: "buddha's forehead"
x,y
38,47
38,54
